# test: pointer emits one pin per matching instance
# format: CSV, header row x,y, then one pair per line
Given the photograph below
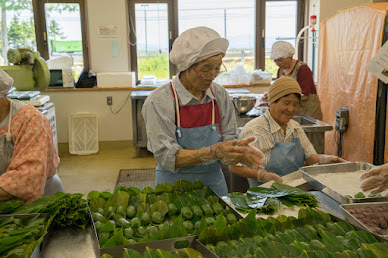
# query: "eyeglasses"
x,y
211,75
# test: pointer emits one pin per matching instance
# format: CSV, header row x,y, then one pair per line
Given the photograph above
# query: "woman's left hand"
x,y
331,159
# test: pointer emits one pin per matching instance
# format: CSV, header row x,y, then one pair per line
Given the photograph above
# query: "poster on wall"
x,y
378,65
108,31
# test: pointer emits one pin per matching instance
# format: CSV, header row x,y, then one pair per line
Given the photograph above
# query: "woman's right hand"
x,y
376,179
264,177
238,151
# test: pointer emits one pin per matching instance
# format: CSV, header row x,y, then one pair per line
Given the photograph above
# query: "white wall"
x,y
112,12
111,127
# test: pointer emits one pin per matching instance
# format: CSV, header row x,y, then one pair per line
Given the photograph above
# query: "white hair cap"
x,y
282,49
195,45
6,82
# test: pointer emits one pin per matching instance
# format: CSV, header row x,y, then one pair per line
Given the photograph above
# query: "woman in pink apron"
x,y
28,159
191,124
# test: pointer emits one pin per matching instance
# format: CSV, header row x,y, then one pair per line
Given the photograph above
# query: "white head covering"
x,y
281,49
195,45
6,82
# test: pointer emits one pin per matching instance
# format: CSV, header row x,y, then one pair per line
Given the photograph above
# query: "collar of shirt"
x,y
275,127
185,96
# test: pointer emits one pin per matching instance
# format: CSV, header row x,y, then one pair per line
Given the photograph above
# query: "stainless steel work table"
x,y
75,242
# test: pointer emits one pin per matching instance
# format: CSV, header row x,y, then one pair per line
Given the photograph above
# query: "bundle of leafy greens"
x,y
268,200
67,209
21,234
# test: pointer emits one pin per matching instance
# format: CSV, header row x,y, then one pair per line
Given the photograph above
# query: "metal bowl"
x,y
243,103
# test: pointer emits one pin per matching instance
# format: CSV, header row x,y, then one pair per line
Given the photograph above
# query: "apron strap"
x,y
8,134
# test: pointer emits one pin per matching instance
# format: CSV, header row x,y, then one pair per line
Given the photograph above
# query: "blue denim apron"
x,y
209,173
286,157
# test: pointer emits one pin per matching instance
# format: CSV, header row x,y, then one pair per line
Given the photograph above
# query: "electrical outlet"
x,y
109,101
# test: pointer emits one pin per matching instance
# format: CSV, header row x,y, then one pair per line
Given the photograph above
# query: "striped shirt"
x,y
159,115
265,136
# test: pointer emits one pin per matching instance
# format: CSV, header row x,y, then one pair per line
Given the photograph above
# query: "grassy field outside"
x,y
158,64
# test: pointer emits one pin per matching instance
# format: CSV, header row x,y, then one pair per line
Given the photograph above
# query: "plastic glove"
x,y
264,177
234,152
377,179
330,159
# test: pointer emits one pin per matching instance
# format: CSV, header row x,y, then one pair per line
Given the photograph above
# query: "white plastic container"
x,y
83,133
261,78
113,80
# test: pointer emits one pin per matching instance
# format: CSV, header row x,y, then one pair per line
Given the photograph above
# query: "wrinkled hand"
x,y
234,152
264,177
377,179
330,159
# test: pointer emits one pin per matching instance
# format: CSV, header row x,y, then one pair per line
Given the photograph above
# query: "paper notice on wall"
x,y
378,65
108,31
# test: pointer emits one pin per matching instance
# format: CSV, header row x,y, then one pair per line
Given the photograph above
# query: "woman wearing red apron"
x,y
191,125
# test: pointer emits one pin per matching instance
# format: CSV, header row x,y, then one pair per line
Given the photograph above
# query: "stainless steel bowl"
x,y
243,103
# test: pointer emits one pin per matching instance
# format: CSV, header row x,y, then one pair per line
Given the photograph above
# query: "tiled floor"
x,y
82,174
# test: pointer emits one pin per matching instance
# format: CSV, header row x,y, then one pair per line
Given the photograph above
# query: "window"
x,y
251,26
62,31
225,17
54,28
151,31
17,27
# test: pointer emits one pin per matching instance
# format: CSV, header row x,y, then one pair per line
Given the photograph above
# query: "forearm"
x,y
186,158
244,171
313,159
4,195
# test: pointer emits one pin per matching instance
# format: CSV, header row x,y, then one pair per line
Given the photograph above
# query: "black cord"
x,y
338,137
129,94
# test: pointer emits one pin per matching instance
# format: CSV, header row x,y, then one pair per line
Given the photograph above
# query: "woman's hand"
x,y
264,177
377,179
330,159
234,152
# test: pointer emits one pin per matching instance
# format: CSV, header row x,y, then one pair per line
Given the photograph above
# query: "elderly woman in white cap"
x,y
282,53
284,143
28,159
191,124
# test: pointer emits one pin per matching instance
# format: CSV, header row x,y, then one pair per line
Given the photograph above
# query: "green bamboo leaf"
x,y
106,256
133,191
188,253
115,240
130,253
160,206
95,203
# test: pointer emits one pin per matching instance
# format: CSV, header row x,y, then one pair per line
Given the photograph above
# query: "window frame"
x,y
172,28
41,28
259,33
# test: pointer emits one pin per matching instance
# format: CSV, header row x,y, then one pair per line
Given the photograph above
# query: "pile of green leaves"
x,y
184,253
20,235
67,209
268,200
131,215
312,234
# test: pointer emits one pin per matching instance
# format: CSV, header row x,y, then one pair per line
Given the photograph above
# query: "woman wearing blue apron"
x,y
284,143
28,159
191,124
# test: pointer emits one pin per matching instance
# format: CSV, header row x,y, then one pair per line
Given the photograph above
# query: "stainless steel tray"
x,y
353,220
166,245
310,172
